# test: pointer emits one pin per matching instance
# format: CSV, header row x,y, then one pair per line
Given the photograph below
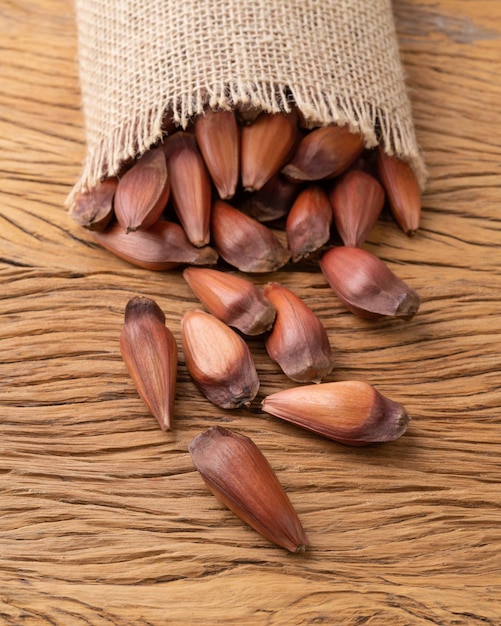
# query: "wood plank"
x,y
104,519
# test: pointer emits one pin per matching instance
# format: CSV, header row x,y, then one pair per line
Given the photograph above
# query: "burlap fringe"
x,y
137,136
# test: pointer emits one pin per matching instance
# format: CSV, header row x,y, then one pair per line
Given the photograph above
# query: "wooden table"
x,y
103,518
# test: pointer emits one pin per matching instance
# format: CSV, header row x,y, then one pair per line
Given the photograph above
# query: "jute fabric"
x,y
338,60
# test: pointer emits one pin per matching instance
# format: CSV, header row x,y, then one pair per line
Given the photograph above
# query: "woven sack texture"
x,y
338,60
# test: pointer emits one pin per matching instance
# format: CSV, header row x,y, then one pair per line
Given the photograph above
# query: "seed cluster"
x,y
211,191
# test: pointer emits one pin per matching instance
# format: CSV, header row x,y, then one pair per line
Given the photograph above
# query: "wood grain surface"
x,y
104,520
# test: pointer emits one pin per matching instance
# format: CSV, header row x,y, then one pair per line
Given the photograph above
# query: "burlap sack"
x,y
338,60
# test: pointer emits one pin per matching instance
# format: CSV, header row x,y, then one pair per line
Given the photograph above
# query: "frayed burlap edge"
x,y
134,138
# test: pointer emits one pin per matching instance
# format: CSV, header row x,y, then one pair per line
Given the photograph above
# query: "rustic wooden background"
x,y
104,520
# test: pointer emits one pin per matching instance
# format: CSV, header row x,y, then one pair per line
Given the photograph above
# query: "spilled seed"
x,y
239,475
150,353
